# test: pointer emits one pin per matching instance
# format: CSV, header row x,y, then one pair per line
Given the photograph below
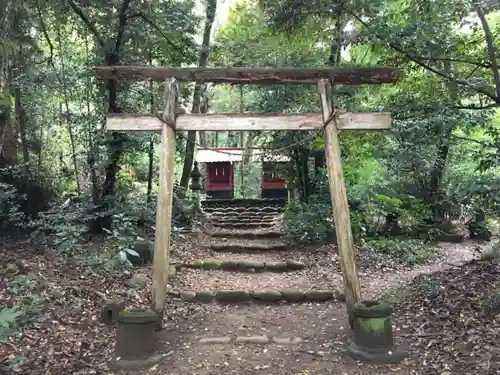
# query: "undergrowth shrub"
x,y
407,251
27,192
28,291
425,286
308,222
10,208
9,317
62,226
490,302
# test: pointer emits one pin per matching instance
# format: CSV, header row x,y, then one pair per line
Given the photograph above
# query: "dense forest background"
x,y
65,181
440,157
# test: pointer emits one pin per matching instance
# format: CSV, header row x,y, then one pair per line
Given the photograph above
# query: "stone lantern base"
x,y
135,340
386,356
373,341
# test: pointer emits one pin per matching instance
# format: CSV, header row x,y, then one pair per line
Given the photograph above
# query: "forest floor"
x,y
445,315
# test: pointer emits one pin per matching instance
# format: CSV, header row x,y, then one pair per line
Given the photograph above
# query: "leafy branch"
x,y
421,61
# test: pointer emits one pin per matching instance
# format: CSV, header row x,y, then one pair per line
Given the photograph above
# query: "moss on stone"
x,y
198,263
293,265
277,267
229,265
293,295
247,265
267,295
232,296
188,296
137,316
211,264
319,295
372,309
375,325
205,296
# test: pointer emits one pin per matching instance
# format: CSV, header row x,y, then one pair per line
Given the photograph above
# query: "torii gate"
x,y
330,119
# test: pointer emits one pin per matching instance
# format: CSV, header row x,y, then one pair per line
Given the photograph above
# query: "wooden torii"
x,y
330,119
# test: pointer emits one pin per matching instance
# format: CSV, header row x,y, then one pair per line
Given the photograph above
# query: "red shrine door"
x,y
220,180
273,185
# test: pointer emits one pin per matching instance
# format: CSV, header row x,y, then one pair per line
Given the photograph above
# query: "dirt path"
x,y
66,336
287,338
315,334
450,255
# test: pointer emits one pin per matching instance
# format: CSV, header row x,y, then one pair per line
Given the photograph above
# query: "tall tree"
x,y
211,9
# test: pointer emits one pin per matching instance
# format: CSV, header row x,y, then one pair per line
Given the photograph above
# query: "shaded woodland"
x,y
74,197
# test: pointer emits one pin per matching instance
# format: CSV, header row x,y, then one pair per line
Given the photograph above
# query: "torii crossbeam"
x,y
332,121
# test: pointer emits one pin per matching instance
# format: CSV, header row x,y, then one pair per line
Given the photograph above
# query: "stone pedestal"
x,y
111,310
196,188
135,340
373,338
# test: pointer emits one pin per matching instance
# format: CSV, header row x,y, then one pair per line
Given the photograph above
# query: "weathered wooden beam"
x,y
340,206
345,76
165,198
250,122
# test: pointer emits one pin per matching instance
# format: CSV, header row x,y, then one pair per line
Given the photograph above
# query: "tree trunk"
x,y
443,149
68,114
92,150
304,156
151,154
151,151
436,177
115,148
204,107
8,144
243,165
319,164
19,109
245,161
490,48
202,62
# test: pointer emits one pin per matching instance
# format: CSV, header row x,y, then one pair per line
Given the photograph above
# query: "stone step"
x,y
241,221
243,217
243,225
243,202
247,248
242,265
245,208
261,297
246,234
219,212
256,339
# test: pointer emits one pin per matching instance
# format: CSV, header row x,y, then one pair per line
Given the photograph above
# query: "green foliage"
x,y
308,222
8,321
15,362
124,235
14,319
490,302
407,251
62,226
22,284
425,286
10,209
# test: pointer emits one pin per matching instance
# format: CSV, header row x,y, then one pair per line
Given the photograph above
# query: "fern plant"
x,y
8,320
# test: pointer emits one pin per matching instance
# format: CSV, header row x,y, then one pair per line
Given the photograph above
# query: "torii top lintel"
x,y
345,76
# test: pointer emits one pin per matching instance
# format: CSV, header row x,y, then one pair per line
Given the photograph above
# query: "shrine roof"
x,y
232,155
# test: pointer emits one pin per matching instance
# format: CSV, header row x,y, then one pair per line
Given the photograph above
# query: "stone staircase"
x,y
252,229
243,213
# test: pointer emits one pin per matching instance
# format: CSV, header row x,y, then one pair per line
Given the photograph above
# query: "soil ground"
x,y
67,338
